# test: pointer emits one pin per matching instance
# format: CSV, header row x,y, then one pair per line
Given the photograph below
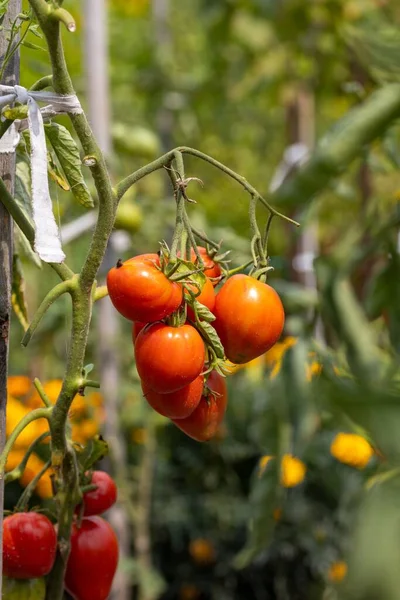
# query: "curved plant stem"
x,y
38,413
52,296
19,470
42,83
266,234
30,488
101,292
42,393
243,182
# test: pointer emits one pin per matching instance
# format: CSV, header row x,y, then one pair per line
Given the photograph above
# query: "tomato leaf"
x,y
212,338
56,174
68,156
26,589
203,312
95,450
18,300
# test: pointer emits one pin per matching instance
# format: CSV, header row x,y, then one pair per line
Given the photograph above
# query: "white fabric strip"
x,y
47,237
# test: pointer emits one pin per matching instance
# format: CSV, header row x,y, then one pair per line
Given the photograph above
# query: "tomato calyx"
x,y
119,264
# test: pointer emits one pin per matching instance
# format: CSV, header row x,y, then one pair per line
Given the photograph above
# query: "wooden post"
x,y
7,172
96,59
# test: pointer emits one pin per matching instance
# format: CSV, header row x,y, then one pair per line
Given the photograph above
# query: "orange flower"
x,y
337,571
18,385
202,551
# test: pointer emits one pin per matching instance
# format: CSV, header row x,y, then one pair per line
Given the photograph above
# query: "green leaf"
x,y
88,369
23,589
32,46
56,174
24,249
212,338
67,153
203,312
95,450
18,300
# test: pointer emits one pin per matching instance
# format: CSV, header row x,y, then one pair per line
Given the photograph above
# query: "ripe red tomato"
x,y
29,545
140,291
212,269
137,328
203,423
206,297
168,358
176,405
101,499
249,318
92,561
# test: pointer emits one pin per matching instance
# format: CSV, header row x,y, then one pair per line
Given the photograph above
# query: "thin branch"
x,y
50,298
34,415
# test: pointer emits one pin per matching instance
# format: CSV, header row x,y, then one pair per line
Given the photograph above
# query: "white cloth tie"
x,y
47,236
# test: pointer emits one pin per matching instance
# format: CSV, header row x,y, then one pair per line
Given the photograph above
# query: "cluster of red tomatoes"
x,y
172,354
30,545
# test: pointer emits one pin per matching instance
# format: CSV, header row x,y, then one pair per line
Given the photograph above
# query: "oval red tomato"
x,y
169,358
175,405
203,423
212,269
206,297
249,318
93,560
29,545
103,497
141,292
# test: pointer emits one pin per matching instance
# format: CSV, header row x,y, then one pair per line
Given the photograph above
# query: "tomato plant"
x,y
249,318
203,423
169,358
97,501
29,545
92,561
140,291
211,268
178,404
206,297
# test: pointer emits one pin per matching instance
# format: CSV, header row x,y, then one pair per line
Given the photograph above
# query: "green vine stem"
x,y
266,234
42,83
40,390
52,296
30,488
19,470
38,413
165,161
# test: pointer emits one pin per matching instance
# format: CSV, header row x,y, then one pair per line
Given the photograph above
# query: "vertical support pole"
x,y
96,62
7,173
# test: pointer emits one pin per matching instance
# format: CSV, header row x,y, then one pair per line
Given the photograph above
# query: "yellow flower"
x,y
262,465
35,464
278,350
313,369
293,471
202,551
337,571
15,412
139,435
18,385
352,449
